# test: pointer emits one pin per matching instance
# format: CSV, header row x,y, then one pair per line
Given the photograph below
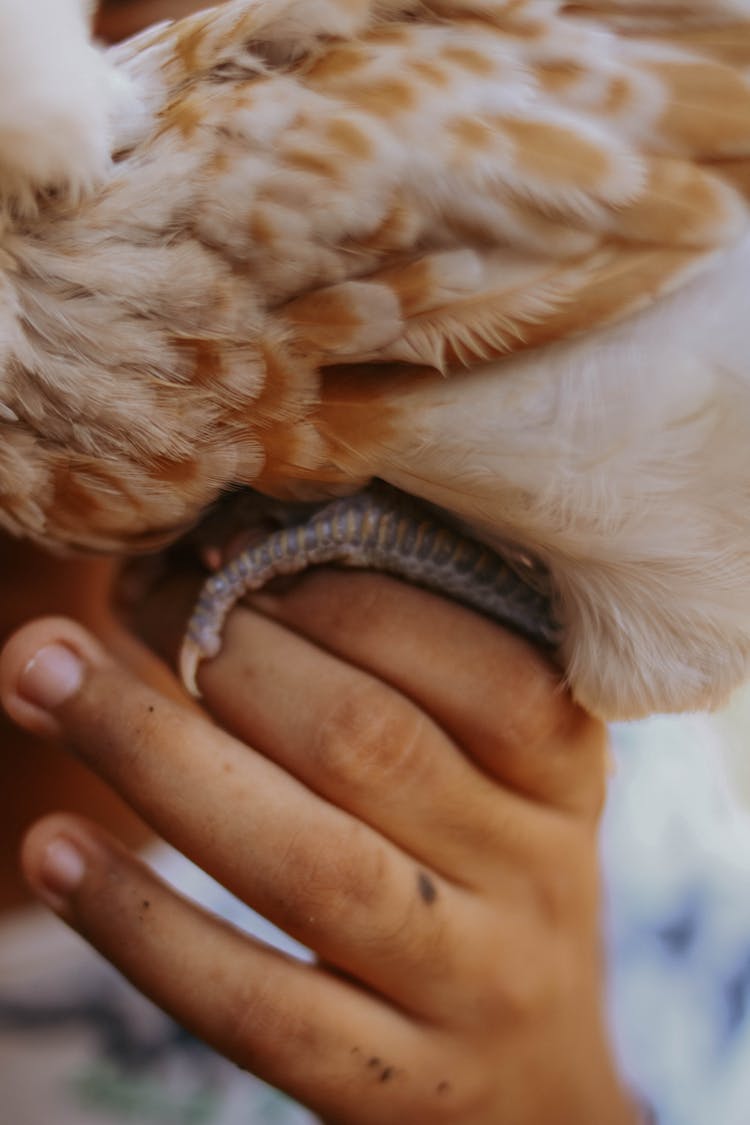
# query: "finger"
x,y
297,1026
321,875
359,743
497,695
499,698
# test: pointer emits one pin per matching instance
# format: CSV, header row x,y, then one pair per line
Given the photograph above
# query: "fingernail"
x,y
61,870
53,675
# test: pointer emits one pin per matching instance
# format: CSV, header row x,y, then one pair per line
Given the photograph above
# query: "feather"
x,y
494,252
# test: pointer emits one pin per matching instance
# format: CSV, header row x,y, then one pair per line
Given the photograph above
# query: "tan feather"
x,y
494,251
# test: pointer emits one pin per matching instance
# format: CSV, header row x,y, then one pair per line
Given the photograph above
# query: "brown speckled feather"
x,y
332,218
326,183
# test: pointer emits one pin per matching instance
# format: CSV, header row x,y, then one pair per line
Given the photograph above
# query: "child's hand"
x,y
407,790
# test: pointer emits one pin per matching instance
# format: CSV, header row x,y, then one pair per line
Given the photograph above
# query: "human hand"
x,y
407,790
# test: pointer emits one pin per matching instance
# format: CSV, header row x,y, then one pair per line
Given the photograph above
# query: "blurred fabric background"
x,y
676,851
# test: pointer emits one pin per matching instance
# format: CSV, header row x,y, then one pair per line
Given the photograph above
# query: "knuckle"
x,y
590,741
518,990
580,772
253,1019
541,708
530,993
557,752
550,936
368,737
325,885
568,892
409,939
519,971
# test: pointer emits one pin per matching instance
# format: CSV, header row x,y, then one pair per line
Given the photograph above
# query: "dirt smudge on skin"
x,y
385,1072
427,889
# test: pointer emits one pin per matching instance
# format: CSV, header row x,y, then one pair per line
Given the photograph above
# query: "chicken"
x,y
494,253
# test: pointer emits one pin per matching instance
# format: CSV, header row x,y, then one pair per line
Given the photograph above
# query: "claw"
x,y
381,530
189,663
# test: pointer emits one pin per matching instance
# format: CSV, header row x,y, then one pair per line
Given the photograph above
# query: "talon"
x,y
368,531
189,663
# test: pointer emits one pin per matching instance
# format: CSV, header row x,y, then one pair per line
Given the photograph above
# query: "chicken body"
x,y
496,254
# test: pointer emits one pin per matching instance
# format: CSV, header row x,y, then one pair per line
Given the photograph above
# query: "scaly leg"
x,y
377,529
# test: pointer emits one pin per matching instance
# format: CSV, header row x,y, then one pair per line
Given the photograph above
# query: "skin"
x,y
398,784
34,775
